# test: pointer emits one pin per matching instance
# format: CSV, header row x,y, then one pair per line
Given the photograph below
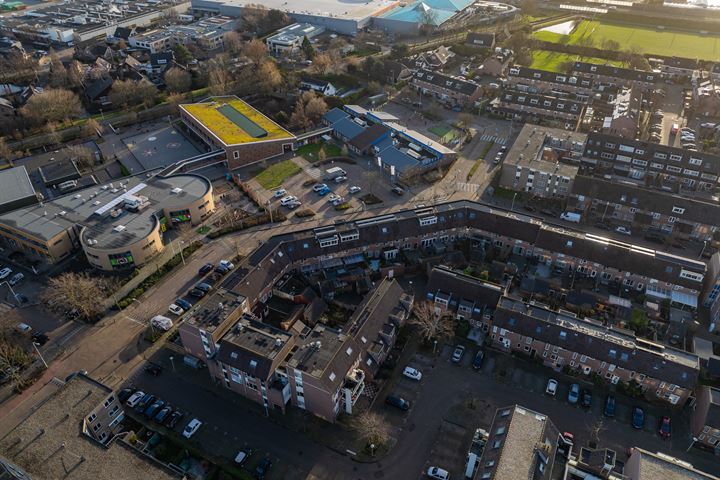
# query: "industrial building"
x,y
288,40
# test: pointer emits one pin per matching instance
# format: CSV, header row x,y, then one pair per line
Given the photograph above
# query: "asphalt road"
x,y
232,422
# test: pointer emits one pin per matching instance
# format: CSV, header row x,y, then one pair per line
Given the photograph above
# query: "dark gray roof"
x,y
463,287
446,81
15,185
551,103
617,72
480,39
631,195
347,128
369,137
551,77
597,341
97,88
332,116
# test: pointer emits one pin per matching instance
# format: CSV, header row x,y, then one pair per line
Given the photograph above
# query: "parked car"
x,y
39,338
197,293
413,373
397,191
324,191
638,418
205,287
144,402
205,269
320,186
153,370
478,359
438,473
4,273
287,199
280,193
15,279
153,409
623,230
161,323
586,398
262,468
665,429
222,270
191,428
397,402
574,394
134,399
175,309
551,388
242,456
354,189
458,353
184,304
125,394
340,179
609,406
174,418
162,415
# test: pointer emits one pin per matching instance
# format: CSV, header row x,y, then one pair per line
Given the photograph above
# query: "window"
x,y
547,103
675,157
328,241
236,155
428,221
92,418
660,155
695,161
534,101
626,148
678,210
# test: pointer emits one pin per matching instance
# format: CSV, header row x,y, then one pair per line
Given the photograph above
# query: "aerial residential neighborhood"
x,y
359,240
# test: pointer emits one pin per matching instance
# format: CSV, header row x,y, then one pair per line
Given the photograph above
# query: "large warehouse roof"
x,y
347,10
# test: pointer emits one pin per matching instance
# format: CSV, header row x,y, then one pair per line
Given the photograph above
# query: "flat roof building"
x,y
118,225
289,39
246,135
16,189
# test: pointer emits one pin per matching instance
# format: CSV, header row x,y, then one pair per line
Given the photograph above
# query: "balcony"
x,y
352,389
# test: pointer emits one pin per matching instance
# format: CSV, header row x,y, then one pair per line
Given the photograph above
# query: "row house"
x,y
676,67
618,76
706,419
660,165
467,297
533,80
561,339
447,89
624,120
567,110
645,208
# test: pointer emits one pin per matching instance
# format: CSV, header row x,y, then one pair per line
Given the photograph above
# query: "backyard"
x,y
645,39
557,61
274,175
310,151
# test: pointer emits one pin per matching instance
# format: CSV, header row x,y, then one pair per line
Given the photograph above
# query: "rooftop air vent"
x,y
176,190
119,228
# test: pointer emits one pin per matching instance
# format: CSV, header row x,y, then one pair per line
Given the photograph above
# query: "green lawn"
x,y
275,175
645,39
554,61
310,151
441,130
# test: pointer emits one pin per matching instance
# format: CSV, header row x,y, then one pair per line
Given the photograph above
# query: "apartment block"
x,y
706,419
564,109
447,89
617,76
532,80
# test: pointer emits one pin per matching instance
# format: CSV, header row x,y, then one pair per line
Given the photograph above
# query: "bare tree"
x,y
52,105
321,63
322,156
299,119
232,43
432,324
6,153
178,80
132,92
372,428
82,155
93,127
256,51
315,107
219,78
75,291
268,76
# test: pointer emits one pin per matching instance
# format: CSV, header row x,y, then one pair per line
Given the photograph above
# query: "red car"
x,y
665,427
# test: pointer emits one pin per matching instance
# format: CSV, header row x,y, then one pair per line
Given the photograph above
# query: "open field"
x,y
646,40
554,61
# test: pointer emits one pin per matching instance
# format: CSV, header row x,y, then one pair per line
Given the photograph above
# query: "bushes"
x,y
154,278
253,221
479,160
370,199
342,206
306,212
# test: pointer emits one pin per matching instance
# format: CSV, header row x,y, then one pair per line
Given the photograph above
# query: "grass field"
x,y
645,39
310,151
554,61
275,175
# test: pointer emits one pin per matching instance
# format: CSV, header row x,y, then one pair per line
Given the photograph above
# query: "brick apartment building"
x,y
706,419
618,76
532,80
566,110
447,89
561,340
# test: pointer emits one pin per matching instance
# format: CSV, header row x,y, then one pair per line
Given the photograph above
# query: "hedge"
x,y
155,277
259,219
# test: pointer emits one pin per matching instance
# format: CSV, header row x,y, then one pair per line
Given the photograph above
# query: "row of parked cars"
x,y
152,408
202,288
584,398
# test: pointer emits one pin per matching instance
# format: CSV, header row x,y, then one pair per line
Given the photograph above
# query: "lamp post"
x,y
40,354
372,449
694,439
12,292
512,205
172,362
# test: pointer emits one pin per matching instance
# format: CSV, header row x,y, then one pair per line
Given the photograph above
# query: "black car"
x,y
40,338
153,370
477,361
262,468
397,402
638,418
398,191
205,287
222,269
174,418
609,406
153,409
197,293
125,393
529,208
184,304
205,269
162,415
586,398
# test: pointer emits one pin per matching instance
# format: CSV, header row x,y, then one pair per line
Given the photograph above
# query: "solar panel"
x,y
117,200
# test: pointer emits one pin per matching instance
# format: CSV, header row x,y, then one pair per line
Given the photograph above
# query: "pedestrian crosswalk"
x,y
493,138
314,172
467,187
